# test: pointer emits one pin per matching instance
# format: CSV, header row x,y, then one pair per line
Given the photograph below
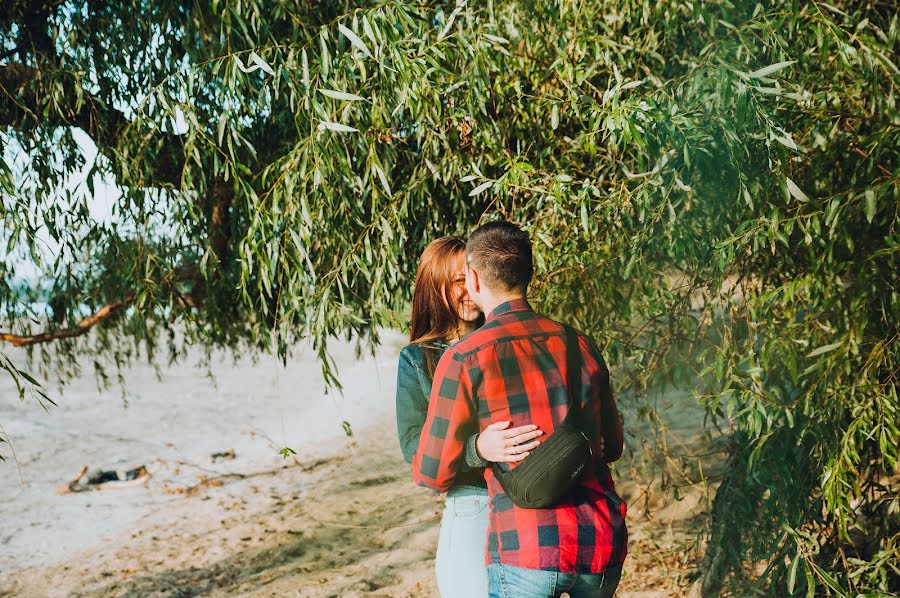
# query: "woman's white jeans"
x,y
461,572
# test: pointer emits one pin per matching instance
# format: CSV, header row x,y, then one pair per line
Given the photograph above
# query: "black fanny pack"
x,y
551,469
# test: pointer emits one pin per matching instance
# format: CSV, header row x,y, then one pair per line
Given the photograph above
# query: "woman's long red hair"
x,y
435,314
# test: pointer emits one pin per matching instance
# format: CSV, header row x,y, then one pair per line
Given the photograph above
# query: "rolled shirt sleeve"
x,y
449,422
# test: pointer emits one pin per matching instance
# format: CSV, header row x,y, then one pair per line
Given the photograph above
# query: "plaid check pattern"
x,y
514,368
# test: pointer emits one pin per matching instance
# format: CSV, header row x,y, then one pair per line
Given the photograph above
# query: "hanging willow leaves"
x,y
710,186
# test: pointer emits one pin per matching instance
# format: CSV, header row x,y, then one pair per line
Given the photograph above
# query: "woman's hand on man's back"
x,y
500,444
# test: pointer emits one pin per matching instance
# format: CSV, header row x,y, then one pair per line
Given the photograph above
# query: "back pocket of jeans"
x,y
469,506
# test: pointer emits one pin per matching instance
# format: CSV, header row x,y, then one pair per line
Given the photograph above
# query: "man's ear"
x,y
474,284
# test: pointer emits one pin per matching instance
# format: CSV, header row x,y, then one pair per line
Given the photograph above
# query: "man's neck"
x,y
490,301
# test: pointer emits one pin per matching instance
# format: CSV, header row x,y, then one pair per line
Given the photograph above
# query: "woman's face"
x,y
466,308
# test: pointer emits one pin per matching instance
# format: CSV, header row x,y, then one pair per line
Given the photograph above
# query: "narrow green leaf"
x,y
382,178
325,57
795,191
786,141
830,581
355,40
810,581
792,574
825,349
29,377
340,95
450,21
340,128
480,188
870,204
496,38
305,65
220,128
771,69
259,62
370,33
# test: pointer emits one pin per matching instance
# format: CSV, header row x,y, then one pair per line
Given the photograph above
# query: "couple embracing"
x,y
485,381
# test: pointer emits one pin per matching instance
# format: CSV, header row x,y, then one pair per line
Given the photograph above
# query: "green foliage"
x,y
713,180
287,452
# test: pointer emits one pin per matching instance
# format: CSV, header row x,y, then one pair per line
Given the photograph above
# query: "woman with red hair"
x,y
443,313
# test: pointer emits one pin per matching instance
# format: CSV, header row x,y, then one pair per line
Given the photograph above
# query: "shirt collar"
x,y
508,307
437,343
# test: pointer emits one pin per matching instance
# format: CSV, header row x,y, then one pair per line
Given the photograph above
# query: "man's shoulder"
x,y
473,342
589,346
535,324
545,325
519,325
502,329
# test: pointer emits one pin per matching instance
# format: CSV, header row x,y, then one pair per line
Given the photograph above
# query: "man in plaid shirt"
x,y
514,369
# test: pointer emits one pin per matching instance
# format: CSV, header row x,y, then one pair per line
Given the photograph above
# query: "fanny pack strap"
x,y
573,374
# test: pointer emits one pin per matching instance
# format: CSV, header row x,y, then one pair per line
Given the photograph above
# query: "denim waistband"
x,y
457,491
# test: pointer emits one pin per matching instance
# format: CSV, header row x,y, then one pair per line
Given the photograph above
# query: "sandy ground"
x,y
342,518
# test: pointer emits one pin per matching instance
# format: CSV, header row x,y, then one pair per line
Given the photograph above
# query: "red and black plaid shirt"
x,y
514,368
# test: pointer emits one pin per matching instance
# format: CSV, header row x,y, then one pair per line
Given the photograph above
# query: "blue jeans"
x,y
460,568
505,581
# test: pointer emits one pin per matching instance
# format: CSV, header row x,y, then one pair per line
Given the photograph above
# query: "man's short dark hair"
x,y
501,254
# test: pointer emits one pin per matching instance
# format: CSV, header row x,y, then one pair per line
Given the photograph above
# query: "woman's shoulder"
x,y
416,351
411,350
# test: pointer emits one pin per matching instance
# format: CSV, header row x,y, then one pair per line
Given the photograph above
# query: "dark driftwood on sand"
x,y
105,480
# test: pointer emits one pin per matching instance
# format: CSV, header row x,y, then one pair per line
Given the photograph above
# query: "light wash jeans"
x,y
506,581
460,568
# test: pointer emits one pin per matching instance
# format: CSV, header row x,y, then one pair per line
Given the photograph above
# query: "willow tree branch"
x,y
82,327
